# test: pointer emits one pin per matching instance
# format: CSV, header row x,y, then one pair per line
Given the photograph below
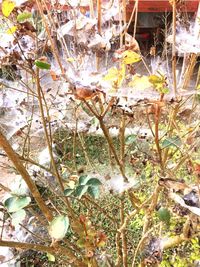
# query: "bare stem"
x,y
53,250
112,148
174,47
59,180
123,236
25,175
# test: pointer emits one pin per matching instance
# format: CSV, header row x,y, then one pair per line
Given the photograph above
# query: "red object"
x,y
142,36
145,6
162,6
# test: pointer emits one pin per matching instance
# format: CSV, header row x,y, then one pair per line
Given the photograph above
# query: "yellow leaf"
x,y
140,82
121,75
51,257
11,30
130,57
7,7
116,76
70,59
198,87
112,74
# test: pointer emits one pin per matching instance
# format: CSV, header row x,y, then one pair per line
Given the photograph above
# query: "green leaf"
x,y
18,217
42,65
159,83
24,16
7,7
51,257
173,142
155,79
93,182
164,90
80,190
14,204
83,179
68,192
93,191
59,227
164,215
130,139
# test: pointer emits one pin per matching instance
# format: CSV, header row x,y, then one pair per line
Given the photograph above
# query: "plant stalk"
x,y
25,175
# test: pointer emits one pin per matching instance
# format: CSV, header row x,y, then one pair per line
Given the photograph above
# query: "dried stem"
x,y
123,236
136,16
133,213
122,139
55,51
151,208
53,250
174,47
118,249
102,210
189,71
112,148
99,16
140,244
25,175
48,140
157,141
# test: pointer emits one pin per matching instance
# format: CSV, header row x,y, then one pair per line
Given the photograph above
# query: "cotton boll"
x,y
117,184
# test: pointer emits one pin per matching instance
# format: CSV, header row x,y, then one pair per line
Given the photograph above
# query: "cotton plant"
x,y
74,217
